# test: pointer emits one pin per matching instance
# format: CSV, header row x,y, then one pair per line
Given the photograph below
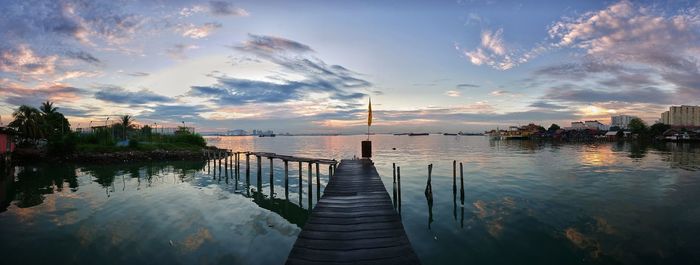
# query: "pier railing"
x,y
223,161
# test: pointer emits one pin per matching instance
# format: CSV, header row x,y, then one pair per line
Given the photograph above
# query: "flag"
x,y
369,116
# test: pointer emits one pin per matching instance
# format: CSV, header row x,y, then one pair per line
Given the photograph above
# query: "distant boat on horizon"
x,y
418,134
267,135
449,134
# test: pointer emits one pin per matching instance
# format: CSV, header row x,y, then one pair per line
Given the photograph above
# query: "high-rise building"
x,y
682,116
621,121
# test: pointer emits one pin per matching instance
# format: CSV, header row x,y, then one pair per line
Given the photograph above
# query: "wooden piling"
x,y
286,179
398,185
318,183
272,179
259,173
454,177
461,189
247,173
301,183
311,186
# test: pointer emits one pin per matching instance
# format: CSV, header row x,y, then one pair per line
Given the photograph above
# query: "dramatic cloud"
x,y
667,44
120,95
198,32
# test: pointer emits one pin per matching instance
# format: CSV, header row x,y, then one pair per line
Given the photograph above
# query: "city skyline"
x,y
310,66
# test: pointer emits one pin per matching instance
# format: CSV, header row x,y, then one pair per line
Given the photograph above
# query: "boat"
x,y
449,134
418,134
267,135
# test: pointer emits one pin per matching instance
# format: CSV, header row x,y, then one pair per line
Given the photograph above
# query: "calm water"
x,y
525,203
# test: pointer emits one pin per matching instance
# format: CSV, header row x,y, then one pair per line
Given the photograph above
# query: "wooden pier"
x,y
353,223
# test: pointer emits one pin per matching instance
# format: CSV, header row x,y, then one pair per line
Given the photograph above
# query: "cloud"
x,y
584,95
500,93
223,8
138,74
453,93
492,51
463,86
84,56
198,32
15,94
266,45
177,51
174,113
546,105
23,62
315,85
661,43
115,94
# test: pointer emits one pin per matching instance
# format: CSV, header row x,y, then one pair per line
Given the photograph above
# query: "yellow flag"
x,y
369,117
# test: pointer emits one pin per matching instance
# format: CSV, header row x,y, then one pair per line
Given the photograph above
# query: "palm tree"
x,y
27,122
126,122
47,108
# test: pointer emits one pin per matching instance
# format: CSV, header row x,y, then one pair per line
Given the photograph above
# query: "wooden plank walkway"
x,y
353,223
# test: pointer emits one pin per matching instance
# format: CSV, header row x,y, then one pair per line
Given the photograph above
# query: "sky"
x,y
311,66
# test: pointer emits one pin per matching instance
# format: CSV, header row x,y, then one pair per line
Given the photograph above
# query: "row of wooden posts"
x,y
228,159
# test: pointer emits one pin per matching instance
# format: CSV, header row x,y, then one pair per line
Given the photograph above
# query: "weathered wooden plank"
x,y
354,222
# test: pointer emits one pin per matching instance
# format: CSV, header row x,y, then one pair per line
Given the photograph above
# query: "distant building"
x,y
591,125
621,121
6,144
237,132
681,116
577,125
595,124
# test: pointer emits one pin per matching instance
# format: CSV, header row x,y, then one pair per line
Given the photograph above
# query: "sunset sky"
x,y
310,66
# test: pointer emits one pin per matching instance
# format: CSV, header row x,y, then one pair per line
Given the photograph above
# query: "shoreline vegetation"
x,y
45,134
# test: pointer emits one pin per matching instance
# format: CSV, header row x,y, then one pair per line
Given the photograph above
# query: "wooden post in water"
x,y
247,173
393,198
429,185
454,178
286,179
259,173
330,172
461,190
301,183
272,179
238,165
398,185
311,186
318,183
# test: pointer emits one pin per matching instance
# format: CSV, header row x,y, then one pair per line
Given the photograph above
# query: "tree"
x,y
48,108
27,121
53,123
553,128
658,129
637,126
126,124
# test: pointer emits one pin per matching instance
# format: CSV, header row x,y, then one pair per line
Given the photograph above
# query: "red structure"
x,y
6,144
